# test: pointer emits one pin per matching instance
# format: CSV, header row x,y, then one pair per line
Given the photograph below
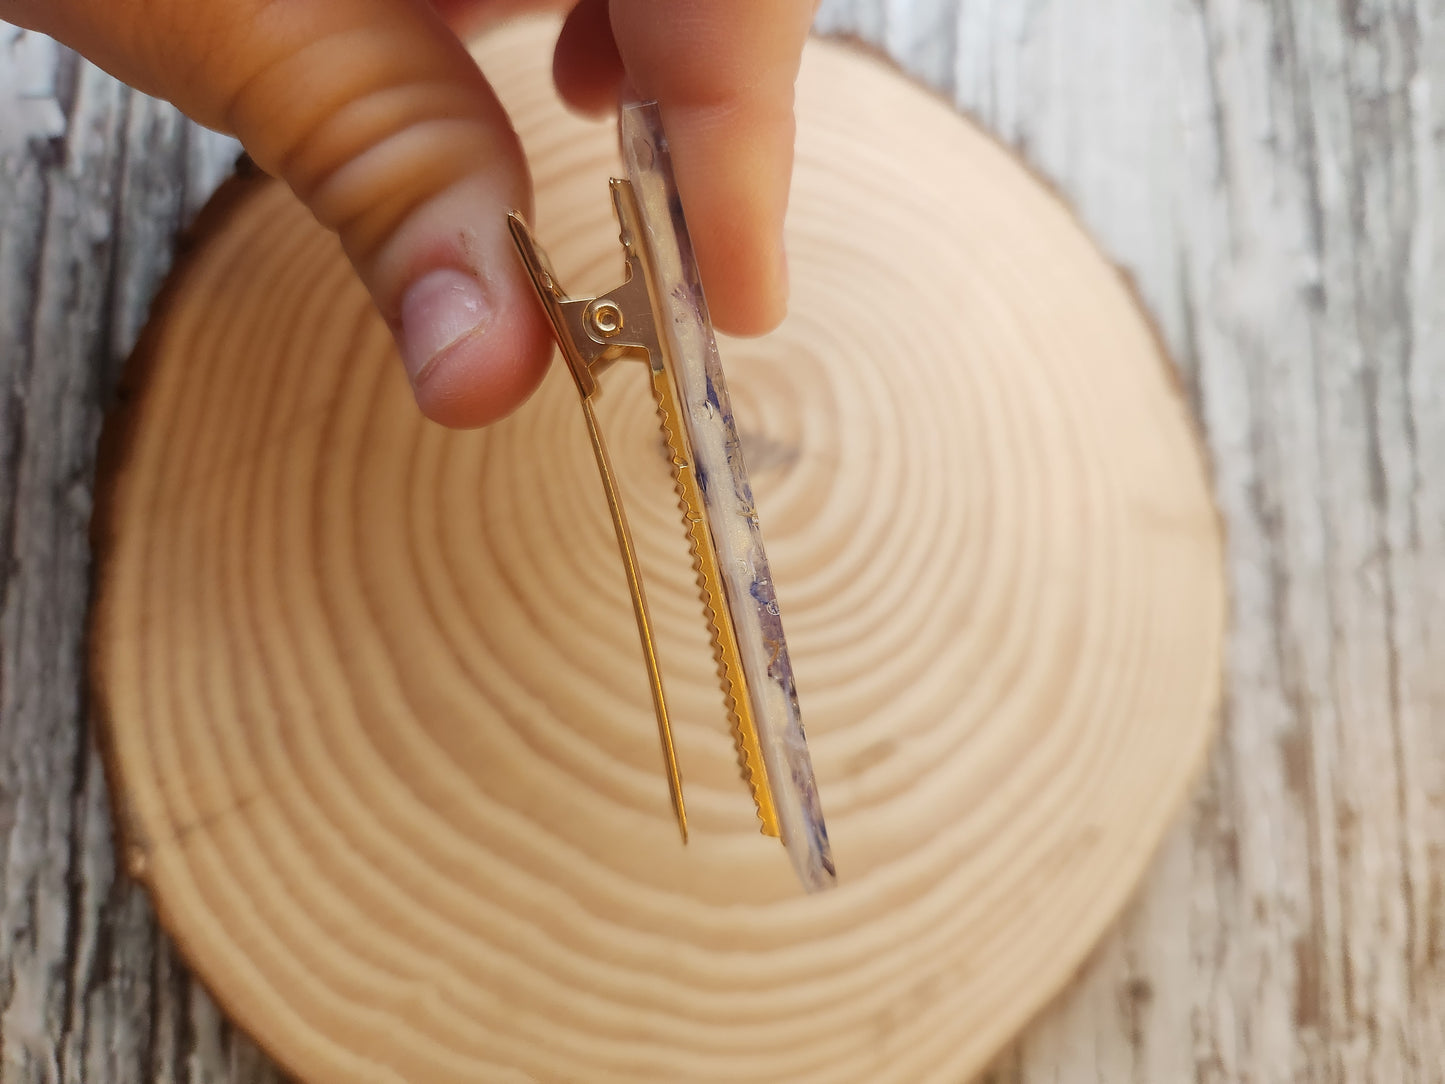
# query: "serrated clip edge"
x,y
709,581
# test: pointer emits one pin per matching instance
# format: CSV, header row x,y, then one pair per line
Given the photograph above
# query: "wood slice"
x,y
379,733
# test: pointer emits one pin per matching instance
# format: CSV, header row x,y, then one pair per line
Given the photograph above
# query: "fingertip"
x,y
746,301
482,374
733,176
470,334
586,66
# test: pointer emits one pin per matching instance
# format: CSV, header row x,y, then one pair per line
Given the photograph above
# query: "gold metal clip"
x,y
593,332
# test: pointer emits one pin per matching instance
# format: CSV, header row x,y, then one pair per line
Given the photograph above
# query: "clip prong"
x,y
593,332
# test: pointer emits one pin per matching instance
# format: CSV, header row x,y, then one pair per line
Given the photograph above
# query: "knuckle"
x,y
370,193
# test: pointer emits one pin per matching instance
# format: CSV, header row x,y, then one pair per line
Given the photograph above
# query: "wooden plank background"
x,y
1269,172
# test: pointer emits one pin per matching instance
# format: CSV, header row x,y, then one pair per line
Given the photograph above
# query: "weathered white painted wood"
x,y
89,204
1269,172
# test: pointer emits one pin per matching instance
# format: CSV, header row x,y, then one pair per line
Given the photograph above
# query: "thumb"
x,y
376,116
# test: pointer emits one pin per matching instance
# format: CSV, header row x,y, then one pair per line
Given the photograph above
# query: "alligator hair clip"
x,y
658,315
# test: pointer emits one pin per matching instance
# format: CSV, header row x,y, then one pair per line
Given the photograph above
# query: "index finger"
x,y
722,72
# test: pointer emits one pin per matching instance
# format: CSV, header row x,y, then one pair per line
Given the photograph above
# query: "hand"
x,y
376,116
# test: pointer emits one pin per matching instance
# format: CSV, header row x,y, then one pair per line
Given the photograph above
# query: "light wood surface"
x,y
1267,174
382,743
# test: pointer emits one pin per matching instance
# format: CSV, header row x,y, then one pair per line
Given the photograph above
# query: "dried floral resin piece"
x,y
727,496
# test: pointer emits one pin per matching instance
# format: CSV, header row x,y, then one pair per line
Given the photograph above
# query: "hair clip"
x,y
658,314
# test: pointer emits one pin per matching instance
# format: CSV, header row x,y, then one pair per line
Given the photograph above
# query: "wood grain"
x,y
381,740
1268,173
